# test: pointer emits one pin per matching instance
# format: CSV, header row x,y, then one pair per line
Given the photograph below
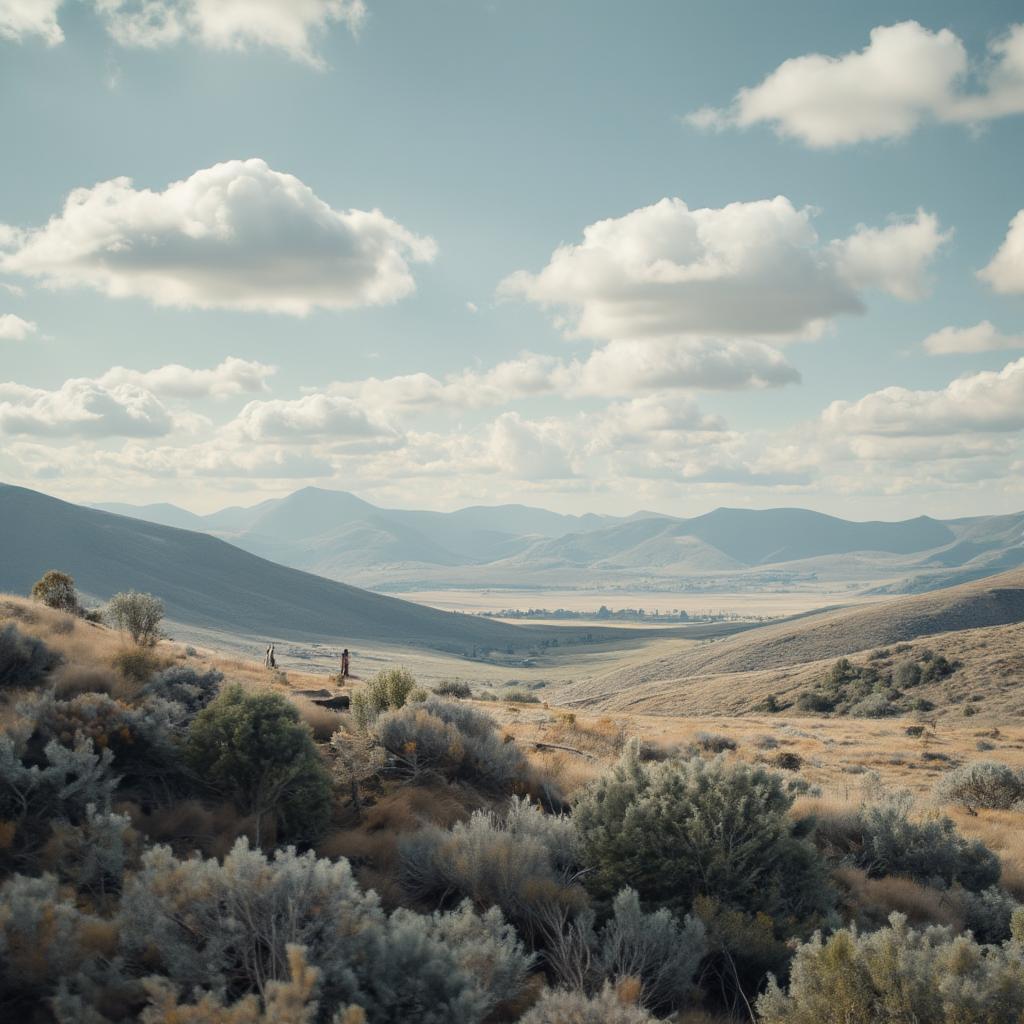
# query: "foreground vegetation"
x,y
182,840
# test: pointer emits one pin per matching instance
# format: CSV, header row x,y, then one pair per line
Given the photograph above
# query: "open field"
x,y
768,603
549,665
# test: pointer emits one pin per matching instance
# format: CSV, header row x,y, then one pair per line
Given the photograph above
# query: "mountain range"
x,y
340,536
210,584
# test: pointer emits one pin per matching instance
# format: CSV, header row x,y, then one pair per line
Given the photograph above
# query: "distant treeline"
x,y
606,614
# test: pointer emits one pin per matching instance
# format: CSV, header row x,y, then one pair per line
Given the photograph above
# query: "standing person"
x,y
271,658
344,664
266,657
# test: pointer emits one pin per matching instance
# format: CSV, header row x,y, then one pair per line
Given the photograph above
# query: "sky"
x,y
571,253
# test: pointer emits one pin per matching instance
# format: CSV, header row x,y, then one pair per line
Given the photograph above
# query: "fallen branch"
x,y
558,746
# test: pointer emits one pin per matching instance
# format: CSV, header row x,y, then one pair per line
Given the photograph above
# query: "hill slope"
x,y
206,582
770,651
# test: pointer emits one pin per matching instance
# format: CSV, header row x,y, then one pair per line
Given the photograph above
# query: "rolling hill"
x,y
338,535
734,673
207,582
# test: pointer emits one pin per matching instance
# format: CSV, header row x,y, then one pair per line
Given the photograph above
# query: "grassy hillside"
x,y
207,582
980,623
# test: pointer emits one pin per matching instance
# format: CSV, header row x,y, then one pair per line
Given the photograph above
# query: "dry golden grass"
x,y
872,900
323,722
837,755
192,825
93,652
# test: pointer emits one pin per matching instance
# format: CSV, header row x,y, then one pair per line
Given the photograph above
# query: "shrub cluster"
x,y
929,850
679,830
522,860
454,688
896,974
183,685
445,739
24,660
569,1006
884,838
877,689
654,951
227,933
386,691
982,784
225,927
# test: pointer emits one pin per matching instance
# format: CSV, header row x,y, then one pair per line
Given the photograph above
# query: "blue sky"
x,y
725,347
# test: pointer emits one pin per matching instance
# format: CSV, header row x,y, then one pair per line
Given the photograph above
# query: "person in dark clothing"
x,y
344,664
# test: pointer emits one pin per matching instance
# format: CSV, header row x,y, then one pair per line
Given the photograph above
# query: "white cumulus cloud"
x,y
312,417
237,235
294,26
232,376
982,337
14,328
990,401
905,76
85,408
23,19
749,268
894,258
1005,274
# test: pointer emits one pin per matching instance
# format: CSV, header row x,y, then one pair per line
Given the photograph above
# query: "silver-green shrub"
x,y
47,943
183,685
982,784
523,861
226,927
656,950
24,660
60,788
897,975
565,1006
989,913
386,691
138,615
678,830
452,741
886,840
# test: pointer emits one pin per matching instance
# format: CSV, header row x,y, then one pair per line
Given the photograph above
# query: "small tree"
x,y
57,590
386,691
358,758
139,615
253,749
